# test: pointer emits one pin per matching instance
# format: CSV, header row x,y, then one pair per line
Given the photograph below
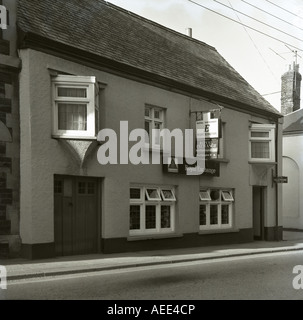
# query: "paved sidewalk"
x,y
18,269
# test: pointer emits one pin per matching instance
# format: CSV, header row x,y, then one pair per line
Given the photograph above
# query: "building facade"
x,y
10,66
292,151
75,82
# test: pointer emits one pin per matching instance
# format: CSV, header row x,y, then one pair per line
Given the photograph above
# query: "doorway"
x,y
258,212
76,217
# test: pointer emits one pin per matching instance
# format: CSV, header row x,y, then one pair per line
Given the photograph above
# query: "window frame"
x,y
263,128
219,203
144,202
91,102
152,120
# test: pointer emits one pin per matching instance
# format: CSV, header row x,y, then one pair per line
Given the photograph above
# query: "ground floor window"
x,y
152,210
216,209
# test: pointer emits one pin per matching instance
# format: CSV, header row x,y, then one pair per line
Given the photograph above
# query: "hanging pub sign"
x,y
210,127
212,168
211,148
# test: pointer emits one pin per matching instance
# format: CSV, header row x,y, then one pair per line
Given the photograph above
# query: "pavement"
x,y
21,269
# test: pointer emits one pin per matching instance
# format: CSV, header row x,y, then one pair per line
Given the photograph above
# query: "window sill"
x,y
154,237
222,160
88,138
263,163
215,231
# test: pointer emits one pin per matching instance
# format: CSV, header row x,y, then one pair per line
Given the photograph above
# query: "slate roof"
x,y
107,31
293,122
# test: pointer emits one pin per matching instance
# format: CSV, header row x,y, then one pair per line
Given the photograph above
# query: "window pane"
x,y
81,187
215,195
168,195
260,150
203,215
147,112
213,215
135,193
153,194
134,218
72,116
150,217
165,217
227,196
91,188
72,92
156,133
256,134
157,114
58,187
225,214
204,195
147,129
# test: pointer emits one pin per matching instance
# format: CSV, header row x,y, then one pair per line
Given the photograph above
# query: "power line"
x,y
266,24
284,9
272,15
255,45
269,94
247,26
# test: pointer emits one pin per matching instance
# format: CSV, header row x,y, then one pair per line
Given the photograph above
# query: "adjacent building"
x,y
88,66
292,148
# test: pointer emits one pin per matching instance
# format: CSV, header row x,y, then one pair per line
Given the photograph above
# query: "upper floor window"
x,y
75,107
262,142
154,119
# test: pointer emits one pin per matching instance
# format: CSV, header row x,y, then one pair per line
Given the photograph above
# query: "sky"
x,y
260,60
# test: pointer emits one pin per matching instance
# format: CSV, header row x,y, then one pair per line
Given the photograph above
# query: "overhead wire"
x,y
255,45
270,14
274,4
243,24
259,21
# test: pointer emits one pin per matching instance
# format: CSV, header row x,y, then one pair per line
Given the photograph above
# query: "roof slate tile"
x,y
108,31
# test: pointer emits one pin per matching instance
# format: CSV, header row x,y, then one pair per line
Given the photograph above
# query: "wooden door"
x,y
75,215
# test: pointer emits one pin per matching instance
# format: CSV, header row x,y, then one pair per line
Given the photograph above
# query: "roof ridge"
x,y
135,15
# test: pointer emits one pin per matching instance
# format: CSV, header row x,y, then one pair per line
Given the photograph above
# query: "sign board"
x,y
280,179
210,127
212,168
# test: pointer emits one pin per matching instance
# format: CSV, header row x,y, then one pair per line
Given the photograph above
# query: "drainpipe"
x,y
276,184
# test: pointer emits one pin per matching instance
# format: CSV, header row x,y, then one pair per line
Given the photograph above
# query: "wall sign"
x,y
212,168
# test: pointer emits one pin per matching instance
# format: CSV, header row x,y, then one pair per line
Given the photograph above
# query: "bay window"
x,y
262,143
75,107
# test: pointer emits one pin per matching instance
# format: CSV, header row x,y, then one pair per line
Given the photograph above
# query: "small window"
x,y
168,195
204,196
154,123
153,195
227,196
91,188
58,187
81,187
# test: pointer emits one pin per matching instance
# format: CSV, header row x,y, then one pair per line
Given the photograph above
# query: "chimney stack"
x,y
291,90
189,32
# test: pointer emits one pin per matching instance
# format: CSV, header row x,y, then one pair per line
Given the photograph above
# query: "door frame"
x,y
258,198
